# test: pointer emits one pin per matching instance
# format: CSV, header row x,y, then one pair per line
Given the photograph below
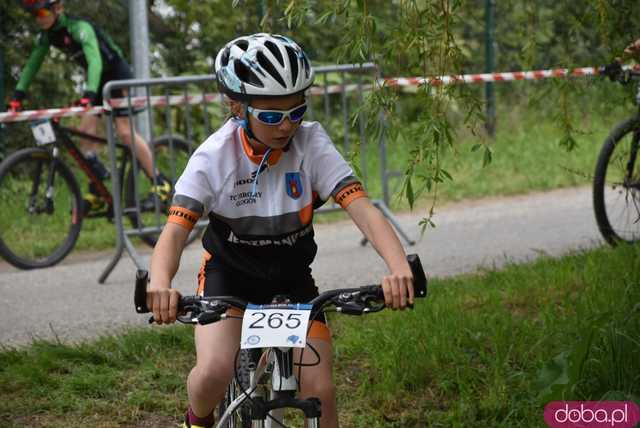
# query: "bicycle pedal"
x,y
94,208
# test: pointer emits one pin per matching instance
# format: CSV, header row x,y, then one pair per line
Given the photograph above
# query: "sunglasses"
x,y
275,117
41,13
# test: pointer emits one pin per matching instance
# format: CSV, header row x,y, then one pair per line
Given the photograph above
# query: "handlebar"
x,y
350,301
617,73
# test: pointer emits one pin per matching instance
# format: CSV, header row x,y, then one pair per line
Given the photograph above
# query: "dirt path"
x,y
67,303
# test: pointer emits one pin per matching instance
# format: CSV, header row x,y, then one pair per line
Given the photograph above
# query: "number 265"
x,y
276,320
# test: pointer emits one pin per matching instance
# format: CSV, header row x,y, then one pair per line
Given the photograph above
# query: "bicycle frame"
x,y
63,138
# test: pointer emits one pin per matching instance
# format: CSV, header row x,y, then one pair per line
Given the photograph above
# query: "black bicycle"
x,y
265,382
41,205
616,183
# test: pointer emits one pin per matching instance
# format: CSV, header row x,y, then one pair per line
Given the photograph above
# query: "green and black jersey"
x,y
83,42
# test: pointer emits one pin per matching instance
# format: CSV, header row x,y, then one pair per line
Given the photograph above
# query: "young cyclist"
x,y
103,61
258,178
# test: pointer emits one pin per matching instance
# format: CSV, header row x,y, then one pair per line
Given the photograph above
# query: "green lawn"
x,y
489,349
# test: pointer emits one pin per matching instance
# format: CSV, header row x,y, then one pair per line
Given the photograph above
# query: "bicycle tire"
x,y
161,147
611,190
21,236
242,417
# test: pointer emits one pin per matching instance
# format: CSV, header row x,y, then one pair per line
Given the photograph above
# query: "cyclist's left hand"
x,y
88,100
398,289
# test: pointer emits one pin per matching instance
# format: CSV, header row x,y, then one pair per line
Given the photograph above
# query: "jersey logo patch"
x,y
293,184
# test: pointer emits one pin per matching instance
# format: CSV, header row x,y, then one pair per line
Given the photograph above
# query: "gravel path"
x,y
489,232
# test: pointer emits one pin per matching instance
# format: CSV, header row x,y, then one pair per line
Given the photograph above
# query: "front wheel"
x,y
39,209
616,184
240,417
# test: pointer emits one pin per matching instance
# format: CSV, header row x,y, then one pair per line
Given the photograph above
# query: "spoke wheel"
x,y
40,226
616,186
171,154
241,418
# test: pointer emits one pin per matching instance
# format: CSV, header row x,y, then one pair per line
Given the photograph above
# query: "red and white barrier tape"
x,y
491,77
155,101
173,100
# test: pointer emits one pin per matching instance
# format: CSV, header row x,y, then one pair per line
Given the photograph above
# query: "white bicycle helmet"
x,y
262,65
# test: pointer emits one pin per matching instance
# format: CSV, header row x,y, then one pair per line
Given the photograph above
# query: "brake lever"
x,y
209,317
367,299
372,303
189,316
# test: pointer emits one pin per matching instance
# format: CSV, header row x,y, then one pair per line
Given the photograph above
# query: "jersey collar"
x,y
256,158
60,22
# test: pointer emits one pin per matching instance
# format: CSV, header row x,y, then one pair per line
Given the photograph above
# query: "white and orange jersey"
x,y
263,229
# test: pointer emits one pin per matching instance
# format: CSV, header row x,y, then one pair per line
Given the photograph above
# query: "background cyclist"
x,y
258,179
103,61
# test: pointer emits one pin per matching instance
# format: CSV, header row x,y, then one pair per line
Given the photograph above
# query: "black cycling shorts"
x,y
216,279
119,70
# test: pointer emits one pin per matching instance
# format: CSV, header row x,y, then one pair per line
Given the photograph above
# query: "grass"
x,y
489,349
492,349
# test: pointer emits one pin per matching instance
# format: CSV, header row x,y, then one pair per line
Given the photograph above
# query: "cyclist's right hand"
x,y
163,303
14,106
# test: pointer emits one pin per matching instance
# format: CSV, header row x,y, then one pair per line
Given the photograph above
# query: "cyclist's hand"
x,y
14,106
164,304
88,100
398,289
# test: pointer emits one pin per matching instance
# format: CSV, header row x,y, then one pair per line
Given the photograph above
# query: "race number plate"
x,y
265,326
43,132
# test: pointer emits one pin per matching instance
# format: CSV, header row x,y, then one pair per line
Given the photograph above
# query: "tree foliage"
x,y
404,37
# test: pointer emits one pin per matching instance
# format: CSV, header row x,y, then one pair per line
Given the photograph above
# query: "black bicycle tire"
x,y
180,144
234,389
599,178
63,250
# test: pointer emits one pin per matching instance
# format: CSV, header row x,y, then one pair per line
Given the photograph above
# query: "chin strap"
x,y
265,157
245,124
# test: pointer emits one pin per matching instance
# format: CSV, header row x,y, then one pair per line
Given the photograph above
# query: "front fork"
x,y
283,387
47,206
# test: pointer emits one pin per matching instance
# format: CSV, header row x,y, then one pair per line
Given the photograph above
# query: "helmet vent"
x,y
306,65
293,61
225,57
275,51
243,44
245,74
269,68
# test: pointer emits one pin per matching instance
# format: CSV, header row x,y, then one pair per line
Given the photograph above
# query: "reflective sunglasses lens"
x,y
298,113
270,117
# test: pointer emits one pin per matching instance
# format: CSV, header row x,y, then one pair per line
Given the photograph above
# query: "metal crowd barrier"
x,y
184,101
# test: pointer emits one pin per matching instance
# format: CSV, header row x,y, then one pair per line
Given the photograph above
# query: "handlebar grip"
x,y
374,289
140,294
419,278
